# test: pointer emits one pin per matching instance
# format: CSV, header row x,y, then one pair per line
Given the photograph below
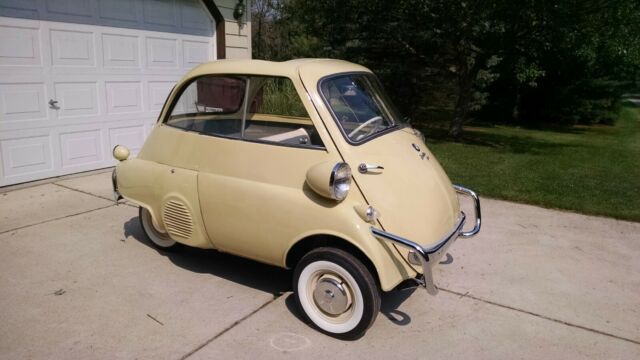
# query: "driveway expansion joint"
x,y
566,323
81,191
94,195
225,330
55,219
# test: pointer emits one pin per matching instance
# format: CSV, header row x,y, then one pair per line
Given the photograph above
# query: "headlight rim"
x,y
334,181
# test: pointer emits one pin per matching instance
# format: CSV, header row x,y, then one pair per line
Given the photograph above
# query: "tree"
x,y
566,61
562,61
413,45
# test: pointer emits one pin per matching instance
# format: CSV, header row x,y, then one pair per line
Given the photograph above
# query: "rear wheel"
x,y
336,292
159,239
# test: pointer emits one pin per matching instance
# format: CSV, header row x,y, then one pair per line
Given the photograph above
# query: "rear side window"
x,y
211,104
254,108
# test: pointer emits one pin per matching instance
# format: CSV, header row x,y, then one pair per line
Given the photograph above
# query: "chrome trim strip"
x,y
476,202
427,281
424,252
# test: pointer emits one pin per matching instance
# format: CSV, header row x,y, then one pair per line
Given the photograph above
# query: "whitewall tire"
x,y
336,292
158,238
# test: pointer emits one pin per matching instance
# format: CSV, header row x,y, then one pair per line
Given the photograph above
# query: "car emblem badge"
x,y
423,154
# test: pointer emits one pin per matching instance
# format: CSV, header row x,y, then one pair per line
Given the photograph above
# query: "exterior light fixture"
x,y
239,9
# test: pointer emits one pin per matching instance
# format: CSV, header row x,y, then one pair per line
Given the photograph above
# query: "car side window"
x,y
276,114
211,105
255,108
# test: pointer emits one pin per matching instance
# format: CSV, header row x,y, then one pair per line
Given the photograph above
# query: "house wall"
x,y
237,34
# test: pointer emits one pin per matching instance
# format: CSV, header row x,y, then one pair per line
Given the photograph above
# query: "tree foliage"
x,y
529,62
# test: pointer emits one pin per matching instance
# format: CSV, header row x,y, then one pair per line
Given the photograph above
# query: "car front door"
x,y
391,164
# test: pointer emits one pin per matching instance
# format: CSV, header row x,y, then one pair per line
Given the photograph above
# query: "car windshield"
x,y
359,105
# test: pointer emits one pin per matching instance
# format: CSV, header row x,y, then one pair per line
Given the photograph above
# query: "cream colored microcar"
x,y
302,164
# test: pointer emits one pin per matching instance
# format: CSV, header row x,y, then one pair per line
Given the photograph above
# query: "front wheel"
x,y
336,292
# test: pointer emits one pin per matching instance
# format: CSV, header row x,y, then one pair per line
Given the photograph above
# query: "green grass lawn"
x,y
588,169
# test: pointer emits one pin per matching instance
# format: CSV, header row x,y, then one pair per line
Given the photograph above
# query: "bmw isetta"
x,y
303,164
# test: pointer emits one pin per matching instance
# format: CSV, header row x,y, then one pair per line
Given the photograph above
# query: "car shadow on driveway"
x,y
267,278
246,272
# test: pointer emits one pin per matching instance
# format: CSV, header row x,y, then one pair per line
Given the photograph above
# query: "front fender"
x,y
385,258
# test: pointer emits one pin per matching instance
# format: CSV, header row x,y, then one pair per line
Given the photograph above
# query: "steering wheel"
x,y
366,123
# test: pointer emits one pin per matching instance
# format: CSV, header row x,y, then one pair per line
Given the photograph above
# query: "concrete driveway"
x,y
78,280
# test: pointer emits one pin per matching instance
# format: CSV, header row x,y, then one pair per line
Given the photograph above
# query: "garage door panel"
x,y
25,156
192,17
158,92
162,52
21,101
130,136
118,12
27,9
19,46
121,50
72,48
195,52
124,97
161,13
76,99
81,148
70,10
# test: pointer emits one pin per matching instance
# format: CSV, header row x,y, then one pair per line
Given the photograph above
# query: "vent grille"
x,y
177,220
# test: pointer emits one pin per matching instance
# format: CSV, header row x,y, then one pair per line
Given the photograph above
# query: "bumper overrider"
x,y
427,257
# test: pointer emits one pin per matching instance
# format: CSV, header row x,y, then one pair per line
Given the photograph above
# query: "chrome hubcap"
x,y
331,295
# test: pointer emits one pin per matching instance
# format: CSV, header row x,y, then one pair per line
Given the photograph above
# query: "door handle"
x,y
365,168
53,104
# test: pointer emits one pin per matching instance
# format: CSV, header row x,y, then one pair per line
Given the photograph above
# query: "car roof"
x,y
290,68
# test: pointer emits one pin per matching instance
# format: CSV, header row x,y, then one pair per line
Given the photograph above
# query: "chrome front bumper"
x,y
114,182
428,256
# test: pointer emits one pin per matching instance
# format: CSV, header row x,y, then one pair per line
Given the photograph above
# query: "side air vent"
x,y
177,220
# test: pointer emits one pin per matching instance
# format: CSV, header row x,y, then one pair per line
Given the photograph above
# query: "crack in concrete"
x,y
82,191
599,332
94,195
228,328
54,219
70,215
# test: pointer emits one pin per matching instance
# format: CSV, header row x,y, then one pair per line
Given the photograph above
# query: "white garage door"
x,y
87,75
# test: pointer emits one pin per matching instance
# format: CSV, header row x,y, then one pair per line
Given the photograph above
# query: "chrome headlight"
x,y
340,181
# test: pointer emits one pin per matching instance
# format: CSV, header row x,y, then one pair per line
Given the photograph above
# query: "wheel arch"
x,y
310,242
